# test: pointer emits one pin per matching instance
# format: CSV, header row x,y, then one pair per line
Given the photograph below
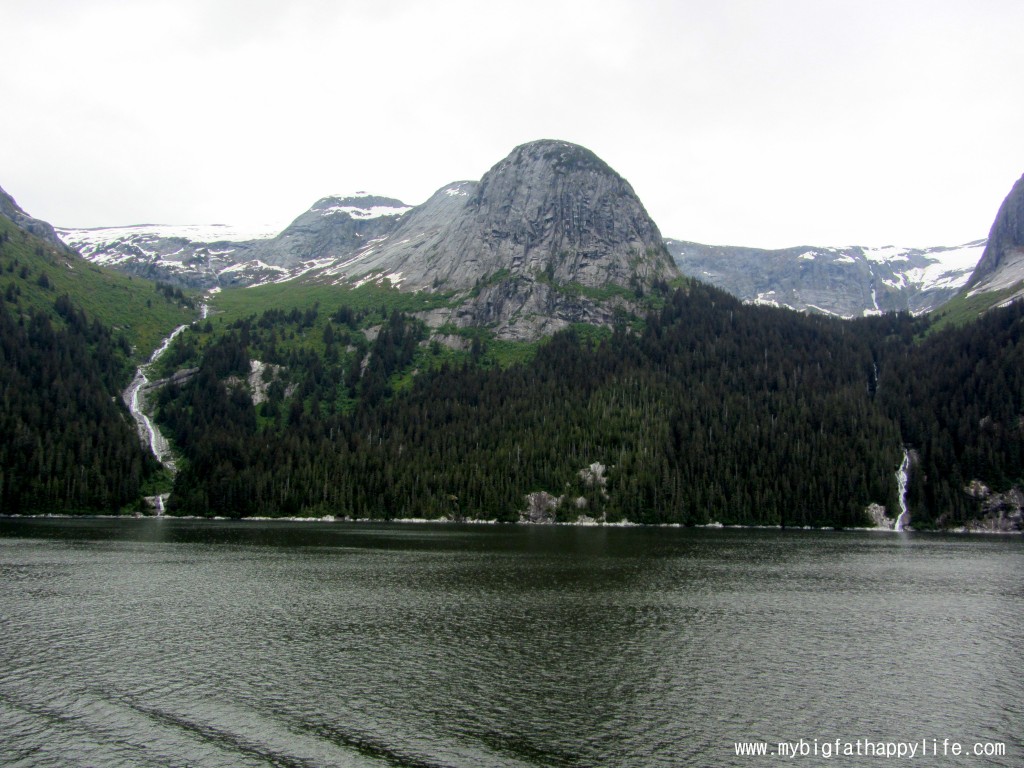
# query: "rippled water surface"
x,y
168,643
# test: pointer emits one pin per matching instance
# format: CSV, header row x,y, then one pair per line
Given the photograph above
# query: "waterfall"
x,y
902,475
149,433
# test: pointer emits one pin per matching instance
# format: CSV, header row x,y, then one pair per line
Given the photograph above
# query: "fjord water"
x,y
174,642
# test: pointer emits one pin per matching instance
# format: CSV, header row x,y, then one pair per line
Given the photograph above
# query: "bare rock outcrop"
x,y
1002,263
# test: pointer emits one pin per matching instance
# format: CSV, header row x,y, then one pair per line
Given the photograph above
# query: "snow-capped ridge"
x,y
850,281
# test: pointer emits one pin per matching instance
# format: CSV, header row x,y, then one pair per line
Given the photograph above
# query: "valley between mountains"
x,y
523,347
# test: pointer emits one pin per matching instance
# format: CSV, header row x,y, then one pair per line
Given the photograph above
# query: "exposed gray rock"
x,y
847,282
1000,512
205,257
1002,264
334,228
549,236
199,257
549,209
541,507
876,513
554,214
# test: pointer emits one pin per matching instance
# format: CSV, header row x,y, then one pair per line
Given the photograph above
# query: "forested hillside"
x,y
34,273
714,412
68,444
706,411
958,397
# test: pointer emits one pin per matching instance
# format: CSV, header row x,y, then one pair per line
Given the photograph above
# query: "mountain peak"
x,y
550,236
546,227
359,206
562,156
1002,263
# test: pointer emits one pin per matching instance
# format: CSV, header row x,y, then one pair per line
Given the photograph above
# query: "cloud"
x,y
741,122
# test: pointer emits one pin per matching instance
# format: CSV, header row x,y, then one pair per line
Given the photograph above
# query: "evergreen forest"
x,y
712,411
705,411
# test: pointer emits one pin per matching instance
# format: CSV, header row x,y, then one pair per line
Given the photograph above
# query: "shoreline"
x,y
444,521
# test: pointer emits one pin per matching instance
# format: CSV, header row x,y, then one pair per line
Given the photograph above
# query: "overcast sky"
x,y
757,123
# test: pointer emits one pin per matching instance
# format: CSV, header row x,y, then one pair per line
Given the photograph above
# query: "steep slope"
x,y
10,209
1002,264
335,227
35,273
998,278
67,333
549,236
847,282
549,206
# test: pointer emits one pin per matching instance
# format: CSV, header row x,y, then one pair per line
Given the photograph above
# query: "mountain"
x,y
1002,264
37,269
10,209
219,256
341,239
549,236
188,256
334,227
848,282
71,334
697,409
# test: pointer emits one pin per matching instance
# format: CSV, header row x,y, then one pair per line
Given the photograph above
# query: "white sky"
x,y
757,123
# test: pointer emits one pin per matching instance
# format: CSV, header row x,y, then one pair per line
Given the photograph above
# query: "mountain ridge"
x,y
347,239
851,281
707,410
1002,264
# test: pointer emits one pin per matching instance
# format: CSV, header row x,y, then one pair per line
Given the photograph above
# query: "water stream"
x,y
134,398
901,482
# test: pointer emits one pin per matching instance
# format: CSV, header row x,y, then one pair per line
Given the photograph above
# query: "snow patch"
x,y
765,299
367,278
964,256
886,254
247,265
373,212
823,311
195,233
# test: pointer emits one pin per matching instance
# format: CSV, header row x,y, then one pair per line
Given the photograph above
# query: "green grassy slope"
x,y
33,274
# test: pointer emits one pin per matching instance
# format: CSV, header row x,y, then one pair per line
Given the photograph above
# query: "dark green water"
x,y
170,643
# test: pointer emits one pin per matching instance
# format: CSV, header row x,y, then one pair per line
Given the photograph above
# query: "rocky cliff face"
x,y
1002,264
999,512
549,236
335,227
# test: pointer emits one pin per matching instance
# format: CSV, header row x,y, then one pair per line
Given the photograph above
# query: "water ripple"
x,y
432,647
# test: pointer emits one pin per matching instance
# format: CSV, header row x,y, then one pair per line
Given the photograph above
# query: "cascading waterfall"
x,y
902,476
149,433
